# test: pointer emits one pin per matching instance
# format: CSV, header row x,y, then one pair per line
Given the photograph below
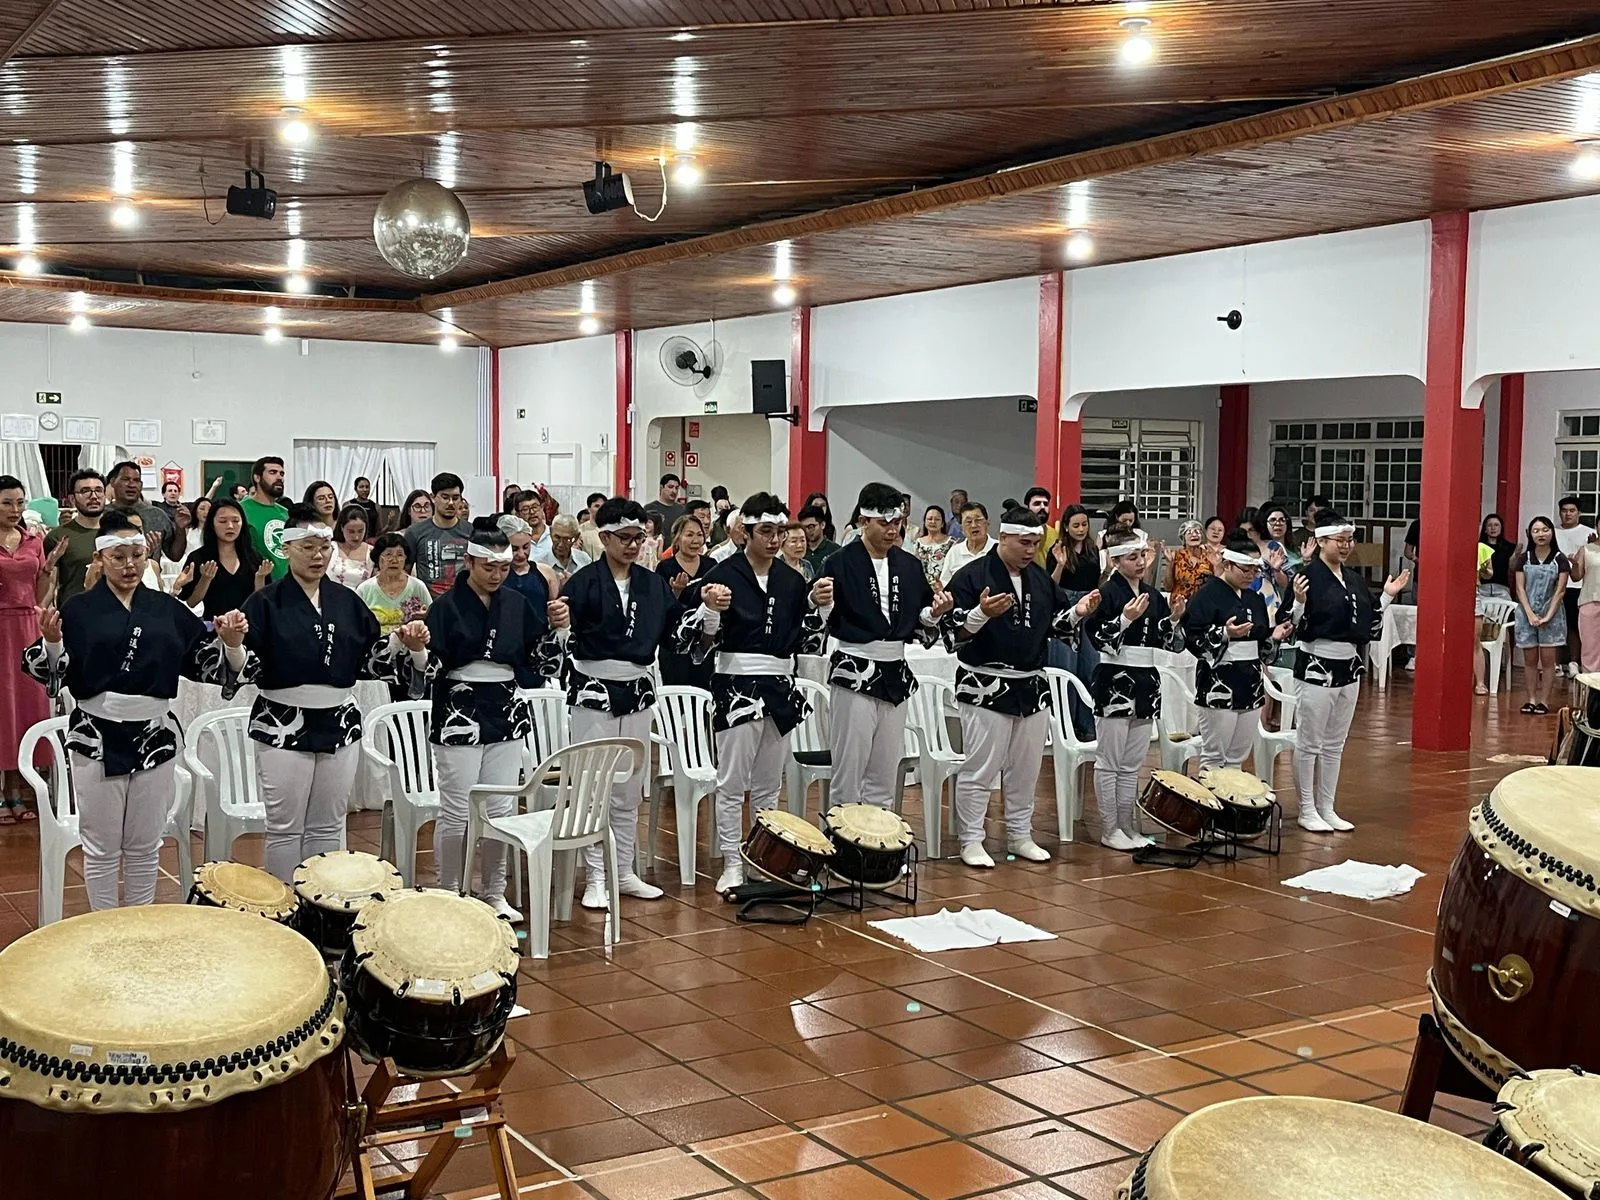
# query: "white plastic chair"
x,y
1269,743
58,812
180,825
1502,611
1176,727
683,716
584,774
937,762
552,729
394,741
1070,755
810,739
232,791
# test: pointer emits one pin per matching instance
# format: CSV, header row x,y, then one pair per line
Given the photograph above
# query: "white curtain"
x,y
393,468
100,458
407,466
23,460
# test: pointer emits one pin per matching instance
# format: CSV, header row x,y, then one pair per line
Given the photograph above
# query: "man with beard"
x,y
87,490
126,486
265,514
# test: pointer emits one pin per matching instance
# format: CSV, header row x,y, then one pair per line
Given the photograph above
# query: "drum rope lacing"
x,y
1527,849
169,1073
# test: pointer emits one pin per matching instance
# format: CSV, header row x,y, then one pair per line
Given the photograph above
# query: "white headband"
x,y
306,531
1127,548
110,541
772,519
1021,530
893,514
1323,531
1244,560
619,526
494,554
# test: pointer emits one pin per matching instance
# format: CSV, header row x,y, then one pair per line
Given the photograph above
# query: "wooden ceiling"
x,y
895,144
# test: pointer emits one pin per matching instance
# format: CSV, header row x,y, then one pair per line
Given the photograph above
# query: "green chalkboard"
x,y
232,471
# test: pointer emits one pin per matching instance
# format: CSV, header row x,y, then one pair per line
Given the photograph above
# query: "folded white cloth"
x,y
1363,881
964,930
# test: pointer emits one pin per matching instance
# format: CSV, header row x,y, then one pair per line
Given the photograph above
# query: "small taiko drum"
x,y
1549,1121
171,1052
432,978
1516,961
332,887
1179,803
1246,801
870,844
1300,1148
245,889
786,849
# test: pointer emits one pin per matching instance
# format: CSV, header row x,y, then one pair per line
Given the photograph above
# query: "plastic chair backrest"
x,y
551,731
399,731
1062,685
929,703
812,733
1500,611
1280,687
1178,707
57,802
582,790
227,731
685,717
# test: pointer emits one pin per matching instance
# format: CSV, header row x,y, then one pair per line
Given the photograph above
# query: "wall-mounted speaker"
x,y
769,387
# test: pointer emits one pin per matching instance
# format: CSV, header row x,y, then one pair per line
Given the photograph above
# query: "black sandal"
x,y
1540,710
1530,708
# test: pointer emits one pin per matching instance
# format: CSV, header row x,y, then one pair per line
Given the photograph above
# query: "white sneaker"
x,y
595,894
732,876
1334,821
1026,848
974,855
502,908
1118,840
632,885
1311,821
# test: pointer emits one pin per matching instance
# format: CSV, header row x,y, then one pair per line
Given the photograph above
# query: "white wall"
x,y
269,394
1338,305
560,393
1545,397
735,451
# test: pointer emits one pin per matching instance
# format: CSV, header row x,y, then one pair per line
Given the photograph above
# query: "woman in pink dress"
x,y
24,581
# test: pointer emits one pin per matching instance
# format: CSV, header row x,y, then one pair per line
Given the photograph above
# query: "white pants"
x,y
587,724
306,797
749,759
1121,745
868,738
120,820
1226,736
459,769
1005,752
1321,724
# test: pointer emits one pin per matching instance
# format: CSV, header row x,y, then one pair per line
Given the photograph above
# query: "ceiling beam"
x,y
33,27
140,291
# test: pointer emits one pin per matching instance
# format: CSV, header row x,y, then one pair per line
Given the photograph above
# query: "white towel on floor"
x,y
964,930
1362,881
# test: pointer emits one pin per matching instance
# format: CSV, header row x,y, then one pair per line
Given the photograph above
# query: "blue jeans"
x,y
1080,660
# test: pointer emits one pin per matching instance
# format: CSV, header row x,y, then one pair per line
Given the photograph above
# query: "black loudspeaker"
x,y
769,387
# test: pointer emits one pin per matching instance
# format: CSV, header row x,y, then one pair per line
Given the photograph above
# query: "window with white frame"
x,y
1578,461
1367,468
1155,463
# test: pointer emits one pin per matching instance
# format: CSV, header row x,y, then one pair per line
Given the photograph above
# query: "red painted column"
x,y
808,448
1508,473
1452,481
1233,451
622,453
1047,420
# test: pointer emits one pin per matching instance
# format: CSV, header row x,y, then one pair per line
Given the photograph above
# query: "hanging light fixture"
x,y
1138,49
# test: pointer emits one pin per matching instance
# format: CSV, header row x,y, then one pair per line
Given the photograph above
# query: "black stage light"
x,y
259,201
607,192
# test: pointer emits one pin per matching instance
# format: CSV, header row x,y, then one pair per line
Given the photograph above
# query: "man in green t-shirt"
x,y
265,514
88,492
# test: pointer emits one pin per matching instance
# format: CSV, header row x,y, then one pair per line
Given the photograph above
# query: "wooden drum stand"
x,y
437,1119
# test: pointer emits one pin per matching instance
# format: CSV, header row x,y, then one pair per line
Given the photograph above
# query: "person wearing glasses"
x,y
314,638
87,491
120,649
563,555
975,529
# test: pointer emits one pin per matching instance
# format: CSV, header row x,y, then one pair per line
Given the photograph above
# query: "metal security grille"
x,y
1154,463
1367,468
1578,461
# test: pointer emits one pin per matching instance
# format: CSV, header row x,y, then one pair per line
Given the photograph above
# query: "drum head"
x,y
1233,786
869,826
1554,1123
797,831
1298,1148
345,879
1188,788
246,888
1543,823
133,998
430,945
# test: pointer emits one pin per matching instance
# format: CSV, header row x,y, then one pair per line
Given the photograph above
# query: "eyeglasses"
x,y
567,538
89,491
628,539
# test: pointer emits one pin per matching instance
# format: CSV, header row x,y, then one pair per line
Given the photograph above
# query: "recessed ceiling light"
x,y
124,216
687,173
1587,164
272,334
29,264
78,302
434,62
683,35
448,344
273,314
783,295
589,326
78,324
295,131
297,284
1134,7
1138,49
1080,246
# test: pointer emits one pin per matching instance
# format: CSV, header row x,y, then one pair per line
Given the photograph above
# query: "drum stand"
x,y
1435,1069
791,905
438,1119
852,896
1217,845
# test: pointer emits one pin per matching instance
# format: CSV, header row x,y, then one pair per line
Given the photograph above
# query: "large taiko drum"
x,y
245,889
1516,961
1549,1121
332,888
1300,1148
170,1052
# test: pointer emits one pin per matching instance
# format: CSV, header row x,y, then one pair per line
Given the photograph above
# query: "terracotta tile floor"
x,y
706,1058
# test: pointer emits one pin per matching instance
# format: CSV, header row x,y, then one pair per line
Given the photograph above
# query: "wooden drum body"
x,y
1549,1121
331,889
1517,955
245,889
786,849
189,1053
1246,810
1179,803
870,844
432,979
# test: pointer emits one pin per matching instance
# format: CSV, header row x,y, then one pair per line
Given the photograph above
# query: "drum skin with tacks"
x,y
1549,1121
1516,965
1302,1148
245,889
1179,803
171,1052
870,844
1246,810
332,888
786,849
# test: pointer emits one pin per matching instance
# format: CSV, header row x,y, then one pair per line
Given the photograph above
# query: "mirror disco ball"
x,y
421,228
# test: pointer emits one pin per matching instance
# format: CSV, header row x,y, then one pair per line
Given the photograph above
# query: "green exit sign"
x,y
711,407
47,397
